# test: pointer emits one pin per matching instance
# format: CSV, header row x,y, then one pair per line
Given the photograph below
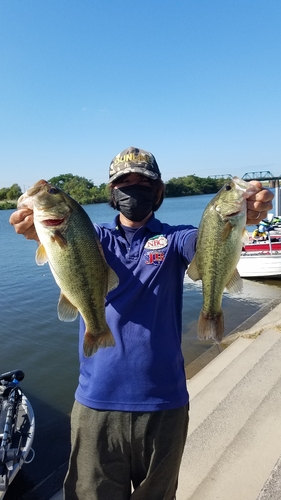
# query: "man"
x,y
130,416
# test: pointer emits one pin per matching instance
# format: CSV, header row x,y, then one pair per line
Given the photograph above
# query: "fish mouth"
x,y
53,222
233,214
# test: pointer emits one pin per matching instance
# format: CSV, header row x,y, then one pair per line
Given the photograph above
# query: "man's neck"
x,y
130,223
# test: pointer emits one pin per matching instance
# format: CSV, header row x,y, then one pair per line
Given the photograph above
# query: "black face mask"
x,y
134,202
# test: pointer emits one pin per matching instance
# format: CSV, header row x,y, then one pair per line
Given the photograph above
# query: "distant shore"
x,y
8,205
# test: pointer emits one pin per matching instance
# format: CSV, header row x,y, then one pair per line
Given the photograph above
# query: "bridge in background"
x,y
264,175
222,176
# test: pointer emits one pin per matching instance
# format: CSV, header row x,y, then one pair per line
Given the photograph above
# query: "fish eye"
x,y
53,190
227,187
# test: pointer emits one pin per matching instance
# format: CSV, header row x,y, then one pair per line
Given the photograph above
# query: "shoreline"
x,y
210,354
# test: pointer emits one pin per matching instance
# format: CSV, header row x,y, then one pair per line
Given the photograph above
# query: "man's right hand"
x,y
23,223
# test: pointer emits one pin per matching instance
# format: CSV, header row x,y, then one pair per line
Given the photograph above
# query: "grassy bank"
x,y
8,205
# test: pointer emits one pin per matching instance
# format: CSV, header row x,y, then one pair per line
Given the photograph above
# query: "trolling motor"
x,y
8,378
10,400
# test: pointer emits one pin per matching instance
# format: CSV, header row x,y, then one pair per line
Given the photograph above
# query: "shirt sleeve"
x,y
189,245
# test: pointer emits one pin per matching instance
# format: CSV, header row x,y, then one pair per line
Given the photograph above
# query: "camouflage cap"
x,y
134,160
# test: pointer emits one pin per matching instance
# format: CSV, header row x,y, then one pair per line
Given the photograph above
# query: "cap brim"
x,y
134,170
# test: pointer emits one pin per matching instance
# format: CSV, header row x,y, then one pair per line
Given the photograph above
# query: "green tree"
x,y
3,193
191,185
61,180
81,189
14,192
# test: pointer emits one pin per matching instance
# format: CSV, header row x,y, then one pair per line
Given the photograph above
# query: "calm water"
x,y
46,349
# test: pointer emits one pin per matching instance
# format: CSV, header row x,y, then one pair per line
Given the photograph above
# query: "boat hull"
x,y
262,247
259,265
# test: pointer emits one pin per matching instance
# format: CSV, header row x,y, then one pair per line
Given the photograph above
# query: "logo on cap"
x,y
134,160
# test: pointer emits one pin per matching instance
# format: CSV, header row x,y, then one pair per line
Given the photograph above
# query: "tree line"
x,y
85,192
192,184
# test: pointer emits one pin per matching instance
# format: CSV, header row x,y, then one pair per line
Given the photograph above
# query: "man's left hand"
x,y
259,204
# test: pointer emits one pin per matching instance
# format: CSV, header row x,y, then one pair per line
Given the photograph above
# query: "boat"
x,y
263,264
271,243
261,256
263,246
17,428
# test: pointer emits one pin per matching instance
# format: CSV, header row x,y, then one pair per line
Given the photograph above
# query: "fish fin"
x,y
113,280
93,342
66,310
210,327
192,270
226,230
41,256
235,284
59,239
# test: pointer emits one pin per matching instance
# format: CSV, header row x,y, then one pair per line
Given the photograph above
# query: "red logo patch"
x,y
155,257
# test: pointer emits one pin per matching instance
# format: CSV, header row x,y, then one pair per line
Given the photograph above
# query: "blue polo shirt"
x,y
144,371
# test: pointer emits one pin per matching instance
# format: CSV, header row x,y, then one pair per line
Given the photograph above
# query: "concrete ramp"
x,y
234,442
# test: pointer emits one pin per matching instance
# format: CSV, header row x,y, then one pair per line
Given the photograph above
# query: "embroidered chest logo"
x,y
155,255
156,242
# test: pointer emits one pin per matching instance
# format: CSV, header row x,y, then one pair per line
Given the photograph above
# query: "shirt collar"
x,y
153,224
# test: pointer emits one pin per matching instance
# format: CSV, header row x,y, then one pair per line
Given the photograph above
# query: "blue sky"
x,y
196,82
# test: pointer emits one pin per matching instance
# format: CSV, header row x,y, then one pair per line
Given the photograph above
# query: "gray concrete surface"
x,y
234,443
272,487
233,449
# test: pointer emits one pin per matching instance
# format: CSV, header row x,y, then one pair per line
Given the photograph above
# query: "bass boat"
x,y
17,427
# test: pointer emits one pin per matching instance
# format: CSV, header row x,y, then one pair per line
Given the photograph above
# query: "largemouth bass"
x,y
221,235
70,244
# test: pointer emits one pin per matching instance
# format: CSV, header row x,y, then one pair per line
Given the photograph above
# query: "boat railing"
x,y
270,243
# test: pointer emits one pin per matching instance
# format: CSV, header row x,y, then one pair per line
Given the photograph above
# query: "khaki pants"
x,y
112,450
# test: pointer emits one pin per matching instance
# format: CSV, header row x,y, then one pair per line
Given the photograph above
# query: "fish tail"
x,y
210,327
93,342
